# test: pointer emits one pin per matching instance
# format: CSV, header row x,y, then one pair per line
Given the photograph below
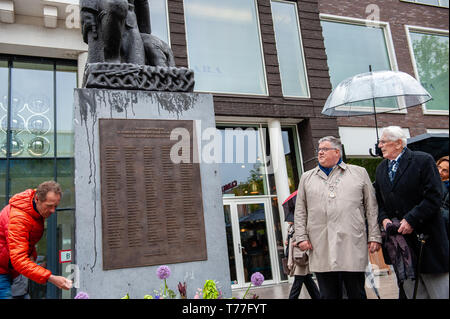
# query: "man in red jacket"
x,y
21,227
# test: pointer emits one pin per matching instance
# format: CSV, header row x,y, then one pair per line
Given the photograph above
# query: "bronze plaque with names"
x,y
152,209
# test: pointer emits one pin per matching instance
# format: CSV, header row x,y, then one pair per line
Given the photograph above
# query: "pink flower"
x,y
163,272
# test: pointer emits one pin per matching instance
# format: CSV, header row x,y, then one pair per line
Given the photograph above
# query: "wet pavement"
x,y
386,283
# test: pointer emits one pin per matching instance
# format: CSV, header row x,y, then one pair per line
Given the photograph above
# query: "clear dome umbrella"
x,y
375,92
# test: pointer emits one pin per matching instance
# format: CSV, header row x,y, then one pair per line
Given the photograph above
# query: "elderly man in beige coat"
x,y
334,202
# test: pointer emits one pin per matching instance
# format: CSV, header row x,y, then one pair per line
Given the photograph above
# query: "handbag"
x,y
300,256
284,262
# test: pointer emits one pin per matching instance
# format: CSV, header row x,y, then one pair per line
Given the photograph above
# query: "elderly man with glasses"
x,y
408,189
334,202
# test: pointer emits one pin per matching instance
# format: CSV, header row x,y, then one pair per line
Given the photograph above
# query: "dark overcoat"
x,y
415,195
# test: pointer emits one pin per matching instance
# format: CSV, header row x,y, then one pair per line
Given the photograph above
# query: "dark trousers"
x,y
310,286
331,284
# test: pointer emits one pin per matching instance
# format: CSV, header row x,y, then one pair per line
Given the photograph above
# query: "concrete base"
x,y
90,106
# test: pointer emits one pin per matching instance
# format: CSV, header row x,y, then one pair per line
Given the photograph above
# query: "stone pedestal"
x,y
125,232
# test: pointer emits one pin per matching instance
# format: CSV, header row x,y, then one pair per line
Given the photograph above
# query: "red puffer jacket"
x,y
21,227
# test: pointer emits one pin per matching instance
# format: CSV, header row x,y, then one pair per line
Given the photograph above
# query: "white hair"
x,y
394,133
334,141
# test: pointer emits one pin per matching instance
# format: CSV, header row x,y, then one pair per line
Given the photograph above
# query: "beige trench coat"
x,y
331,212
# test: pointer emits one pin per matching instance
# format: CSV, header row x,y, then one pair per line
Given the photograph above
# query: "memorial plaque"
x,y
152,209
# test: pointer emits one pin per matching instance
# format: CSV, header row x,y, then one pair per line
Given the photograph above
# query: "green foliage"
x,y
210,290
370,164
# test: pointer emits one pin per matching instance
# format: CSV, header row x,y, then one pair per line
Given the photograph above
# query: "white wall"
x,y
29,36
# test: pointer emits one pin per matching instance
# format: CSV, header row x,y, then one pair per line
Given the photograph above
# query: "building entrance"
x,y
252,246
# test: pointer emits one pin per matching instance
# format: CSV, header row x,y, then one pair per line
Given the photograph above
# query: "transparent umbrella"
x,y
375,92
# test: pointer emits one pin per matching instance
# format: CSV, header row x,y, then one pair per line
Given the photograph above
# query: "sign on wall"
x,y
152,210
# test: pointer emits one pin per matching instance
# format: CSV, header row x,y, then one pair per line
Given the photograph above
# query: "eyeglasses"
x,y
384,142
325,149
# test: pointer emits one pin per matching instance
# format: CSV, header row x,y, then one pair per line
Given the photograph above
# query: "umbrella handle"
x,y
378,152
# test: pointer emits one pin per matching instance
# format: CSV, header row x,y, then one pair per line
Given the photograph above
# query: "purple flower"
x,y
163,272
82,295
257,279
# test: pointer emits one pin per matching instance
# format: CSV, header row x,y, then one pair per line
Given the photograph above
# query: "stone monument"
x,y
122,52
143,196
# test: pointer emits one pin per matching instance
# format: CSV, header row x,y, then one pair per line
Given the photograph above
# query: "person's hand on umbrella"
x,y
385,222
305,245
405,228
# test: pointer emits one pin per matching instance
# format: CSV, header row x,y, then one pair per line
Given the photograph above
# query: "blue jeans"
x,y
5,286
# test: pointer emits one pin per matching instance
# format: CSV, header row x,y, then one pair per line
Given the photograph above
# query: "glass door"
x,y
251,240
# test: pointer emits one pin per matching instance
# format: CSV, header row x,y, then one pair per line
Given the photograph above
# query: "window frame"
x,y
263,62
426,4
308,92
167,21
430,31
385,27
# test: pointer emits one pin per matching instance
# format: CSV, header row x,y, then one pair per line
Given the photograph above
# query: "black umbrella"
x,y
435,144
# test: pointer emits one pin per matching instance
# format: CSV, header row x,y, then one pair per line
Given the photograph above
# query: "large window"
x,y
439,3
224,46
36,144
430,56
242,168
245,162
352,47
159,19
289,49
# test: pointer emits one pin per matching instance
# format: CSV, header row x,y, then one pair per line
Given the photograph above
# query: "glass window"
x,y
66,81
224,46
291,152
242,169
29,173
3,129
289,49
65,170
440,3
32,115
364,46
431,58
3,106
433,2
3,182
158,19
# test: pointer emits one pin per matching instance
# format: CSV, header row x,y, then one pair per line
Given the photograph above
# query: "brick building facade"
x,y
398,15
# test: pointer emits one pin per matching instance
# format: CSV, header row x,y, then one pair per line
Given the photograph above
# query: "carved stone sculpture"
x,y
122,52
